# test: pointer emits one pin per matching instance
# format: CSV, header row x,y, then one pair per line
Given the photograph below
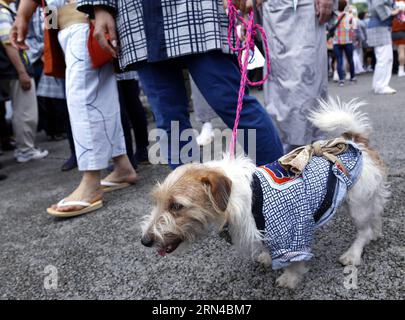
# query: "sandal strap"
x,y
110,184
64,203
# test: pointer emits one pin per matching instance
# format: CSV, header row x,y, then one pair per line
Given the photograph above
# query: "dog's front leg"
x,y
264,258
292,275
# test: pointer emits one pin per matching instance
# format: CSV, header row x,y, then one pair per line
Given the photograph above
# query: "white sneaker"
x,y
207,134
386,90
401,72
33,154
335,76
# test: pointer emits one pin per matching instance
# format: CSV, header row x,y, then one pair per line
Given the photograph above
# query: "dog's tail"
x,y
341,118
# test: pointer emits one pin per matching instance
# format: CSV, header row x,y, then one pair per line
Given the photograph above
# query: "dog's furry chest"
x,y
289,203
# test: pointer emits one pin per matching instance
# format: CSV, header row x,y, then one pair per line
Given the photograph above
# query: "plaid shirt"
x,y
290,202
345,30
156,30
35,36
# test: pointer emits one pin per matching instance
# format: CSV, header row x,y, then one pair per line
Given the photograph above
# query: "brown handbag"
x,y
54,58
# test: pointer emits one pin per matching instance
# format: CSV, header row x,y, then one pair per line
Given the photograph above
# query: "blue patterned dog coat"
x,y
291,204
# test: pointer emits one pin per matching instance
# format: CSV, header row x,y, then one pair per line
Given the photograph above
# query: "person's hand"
x,y
25,81
243,5
395,12
323,9
18,33
104,28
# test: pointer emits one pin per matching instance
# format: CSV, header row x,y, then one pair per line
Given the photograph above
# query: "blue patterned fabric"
x,y
289,203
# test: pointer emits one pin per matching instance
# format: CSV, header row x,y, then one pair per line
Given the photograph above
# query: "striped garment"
x,y
35,36
7,69
156,30
291,203
6,21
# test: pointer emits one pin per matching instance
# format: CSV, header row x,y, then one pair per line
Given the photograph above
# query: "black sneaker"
x,y
341,83
353,80
3,177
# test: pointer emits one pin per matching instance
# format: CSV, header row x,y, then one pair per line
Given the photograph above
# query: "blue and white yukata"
x,y
291,204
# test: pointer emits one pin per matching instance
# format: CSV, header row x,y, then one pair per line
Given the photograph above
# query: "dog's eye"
x,y
175,206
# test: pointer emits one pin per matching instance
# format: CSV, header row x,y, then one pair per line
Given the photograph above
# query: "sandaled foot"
x,y
81,201
85,207
117,180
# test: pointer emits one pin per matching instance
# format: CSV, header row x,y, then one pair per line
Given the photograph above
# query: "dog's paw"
x,y
264,259
350,259
288,280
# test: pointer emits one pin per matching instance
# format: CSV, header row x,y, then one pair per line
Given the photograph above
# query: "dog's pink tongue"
x,y
162,252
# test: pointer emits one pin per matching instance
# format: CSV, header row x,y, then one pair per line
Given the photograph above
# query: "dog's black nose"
x,y
146,241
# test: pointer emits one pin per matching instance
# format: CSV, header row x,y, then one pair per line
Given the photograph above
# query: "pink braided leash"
x,y
249,45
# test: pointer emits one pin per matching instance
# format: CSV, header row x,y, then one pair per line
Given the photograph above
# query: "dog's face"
x,y
186,204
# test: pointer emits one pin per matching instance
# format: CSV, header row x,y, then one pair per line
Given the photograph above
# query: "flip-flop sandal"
x,y
87,208
113,186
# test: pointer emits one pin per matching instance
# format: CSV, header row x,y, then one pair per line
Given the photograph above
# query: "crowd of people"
x,y
365,41
176,52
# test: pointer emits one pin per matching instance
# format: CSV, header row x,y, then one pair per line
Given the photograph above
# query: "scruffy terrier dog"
x,y
271,212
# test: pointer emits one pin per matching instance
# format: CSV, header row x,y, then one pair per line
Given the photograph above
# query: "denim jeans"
x,y
218,78
348,50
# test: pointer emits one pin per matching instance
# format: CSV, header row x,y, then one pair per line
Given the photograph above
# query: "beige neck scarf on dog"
x,y
297,160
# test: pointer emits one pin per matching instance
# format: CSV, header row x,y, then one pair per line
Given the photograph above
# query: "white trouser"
x,y
383,67
93,103
358,60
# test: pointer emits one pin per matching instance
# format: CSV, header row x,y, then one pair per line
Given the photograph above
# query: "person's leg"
x,y
339,57
129,89
50,117
93,105
401,59
126,126
163,83
25,115
218,78
4,135
383,68
203,113
348,48
64,122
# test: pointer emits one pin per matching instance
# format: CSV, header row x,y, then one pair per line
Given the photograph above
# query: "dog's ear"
x,y
219,189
